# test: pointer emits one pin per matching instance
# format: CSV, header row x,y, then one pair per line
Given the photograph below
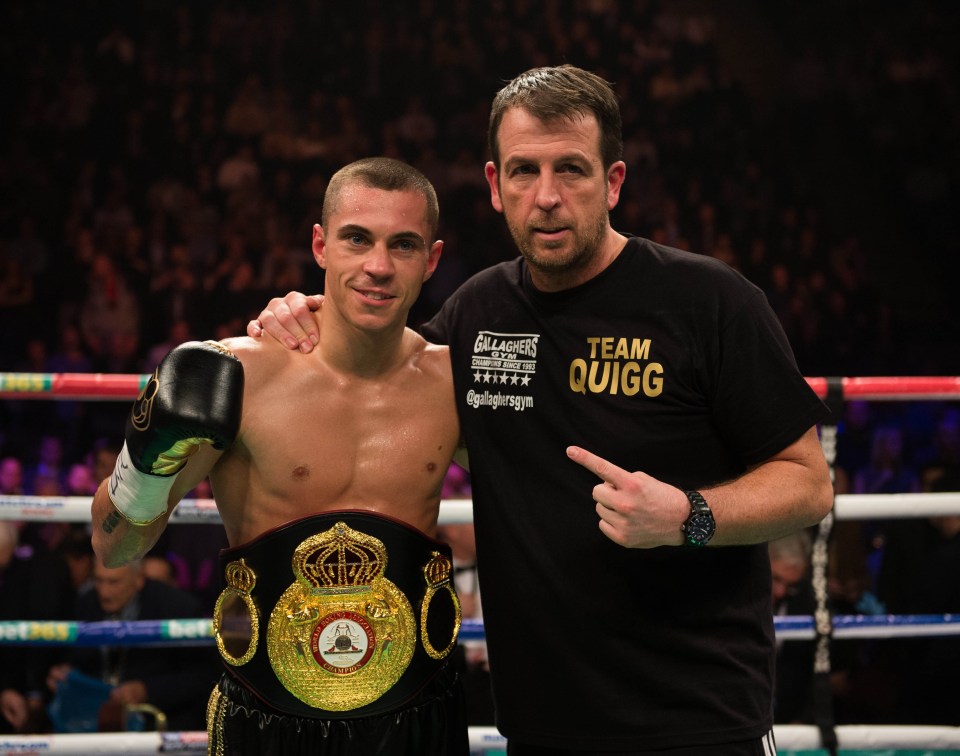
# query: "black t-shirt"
x,y
668,363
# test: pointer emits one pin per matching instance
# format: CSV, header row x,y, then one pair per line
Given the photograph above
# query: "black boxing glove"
x,y
194,397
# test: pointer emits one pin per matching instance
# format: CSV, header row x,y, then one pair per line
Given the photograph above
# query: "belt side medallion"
x,y
342,634
236,621
438,573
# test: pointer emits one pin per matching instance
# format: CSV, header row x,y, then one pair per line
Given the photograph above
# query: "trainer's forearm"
x,y
116,540
786,493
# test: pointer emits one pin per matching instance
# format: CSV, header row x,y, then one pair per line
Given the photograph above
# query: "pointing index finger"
x,y
606,471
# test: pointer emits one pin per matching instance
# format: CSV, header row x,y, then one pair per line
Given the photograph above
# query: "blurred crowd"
x,y
162,163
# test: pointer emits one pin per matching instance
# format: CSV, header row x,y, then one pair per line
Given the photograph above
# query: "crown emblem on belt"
x,y
340,557
238,575
437,570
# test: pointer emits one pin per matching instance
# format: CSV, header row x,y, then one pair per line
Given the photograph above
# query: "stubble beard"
x,y
563,260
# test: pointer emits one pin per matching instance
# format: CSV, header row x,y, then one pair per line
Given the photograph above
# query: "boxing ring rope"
x,y
184,632
199,631
454,511
112,386
789,738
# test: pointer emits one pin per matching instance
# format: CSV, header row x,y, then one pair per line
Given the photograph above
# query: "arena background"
x,y
827,131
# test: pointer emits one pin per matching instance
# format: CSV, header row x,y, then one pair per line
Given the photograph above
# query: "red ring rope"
x,y
106,386
86,386
888,387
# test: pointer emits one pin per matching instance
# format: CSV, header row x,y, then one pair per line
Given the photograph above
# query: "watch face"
x,y
699,528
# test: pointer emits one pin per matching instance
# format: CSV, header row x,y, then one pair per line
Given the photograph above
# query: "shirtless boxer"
x,y
338,617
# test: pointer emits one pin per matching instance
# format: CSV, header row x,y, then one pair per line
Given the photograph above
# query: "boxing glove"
x,y
193,397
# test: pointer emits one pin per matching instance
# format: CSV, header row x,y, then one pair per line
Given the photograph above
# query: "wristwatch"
x,y
699,526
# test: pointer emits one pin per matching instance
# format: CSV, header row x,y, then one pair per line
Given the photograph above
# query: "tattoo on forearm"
x,y
110,522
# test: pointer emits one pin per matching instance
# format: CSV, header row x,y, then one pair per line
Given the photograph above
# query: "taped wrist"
x,y
139,497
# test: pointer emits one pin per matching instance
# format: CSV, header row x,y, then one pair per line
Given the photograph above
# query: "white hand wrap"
x,y
139,497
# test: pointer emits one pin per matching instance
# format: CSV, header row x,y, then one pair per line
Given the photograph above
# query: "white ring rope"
x,y
789,738
863,737
204,511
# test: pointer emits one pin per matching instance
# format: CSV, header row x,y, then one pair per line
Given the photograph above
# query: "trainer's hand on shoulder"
x,y
636,511
289,320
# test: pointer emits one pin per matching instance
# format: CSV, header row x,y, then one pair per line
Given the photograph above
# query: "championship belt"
x,y
338,615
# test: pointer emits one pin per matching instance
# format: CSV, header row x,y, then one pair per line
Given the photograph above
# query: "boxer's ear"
x,y
319,246
433,257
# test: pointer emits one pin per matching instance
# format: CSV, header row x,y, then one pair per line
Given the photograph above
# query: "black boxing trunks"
x,y
337,624
435,724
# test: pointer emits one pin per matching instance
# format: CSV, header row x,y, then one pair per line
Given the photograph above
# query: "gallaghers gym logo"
x,y
504,364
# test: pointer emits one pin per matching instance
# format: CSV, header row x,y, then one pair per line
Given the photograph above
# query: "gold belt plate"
x,y
342,634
